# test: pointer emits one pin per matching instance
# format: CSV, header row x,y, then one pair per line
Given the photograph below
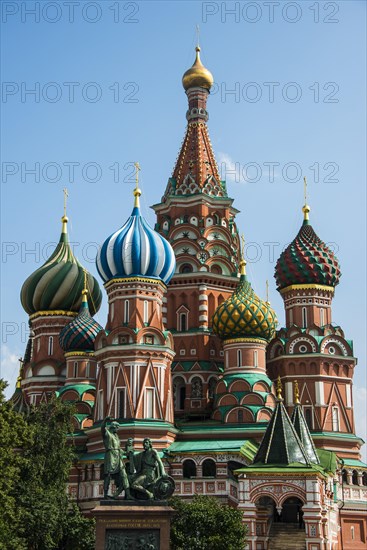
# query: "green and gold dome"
x,y
57,285
244,314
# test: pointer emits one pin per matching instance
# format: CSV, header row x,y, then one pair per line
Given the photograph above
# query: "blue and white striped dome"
x,y
136,250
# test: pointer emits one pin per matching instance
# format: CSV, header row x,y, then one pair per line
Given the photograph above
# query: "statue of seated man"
x,y
113,462
149,468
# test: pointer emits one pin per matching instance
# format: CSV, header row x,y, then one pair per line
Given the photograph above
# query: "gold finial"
x,y
65,219
296,393
85,288
305,209
279,389
20,375
243,261
137,191
197,38
267,292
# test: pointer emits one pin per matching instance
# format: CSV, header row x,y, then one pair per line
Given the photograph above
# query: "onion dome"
x,y
307,260
197,75
136,250
57,285
244,314
80,333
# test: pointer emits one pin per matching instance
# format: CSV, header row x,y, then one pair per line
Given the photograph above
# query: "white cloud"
x,y
9,368
360,405
229,169
248,172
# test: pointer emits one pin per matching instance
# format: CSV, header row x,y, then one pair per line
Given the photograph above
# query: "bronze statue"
x,y
151,479
113,461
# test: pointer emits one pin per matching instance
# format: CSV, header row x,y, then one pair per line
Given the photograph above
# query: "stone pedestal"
x,y
127,524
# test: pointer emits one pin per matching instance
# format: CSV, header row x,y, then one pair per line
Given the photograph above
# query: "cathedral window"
x,y
50,345
335,419
291,316
256,359
304,317
149,403
309,417
197,388
189,469
211,388
355,477
87,370
120,403
322,316
126,311
239,358
75,370
344,476
145,315
364,479
186,268
183,322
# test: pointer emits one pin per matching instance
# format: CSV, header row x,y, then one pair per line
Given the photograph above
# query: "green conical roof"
x,y
281,444
300,425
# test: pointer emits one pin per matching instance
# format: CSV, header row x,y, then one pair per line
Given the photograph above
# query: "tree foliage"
x,y
206,523
39,510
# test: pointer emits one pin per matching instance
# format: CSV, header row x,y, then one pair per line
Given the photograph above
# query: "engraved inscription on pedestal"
x,y
131,539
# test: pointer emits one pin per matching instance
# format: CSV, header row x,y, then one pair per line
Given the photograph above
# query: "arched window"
x,y
344,476
239,358
209,468
211,388
364,479
183,322
355,477
87,370
50,345
240,416
75,370
256,359
179,393
322,316
126,312
304,317
186,268
189,469
335,419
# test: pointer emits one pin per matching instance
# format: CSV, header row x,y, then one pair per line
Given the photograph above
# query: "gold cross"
x,y
66,194
243,246
137,166
305,188
197,36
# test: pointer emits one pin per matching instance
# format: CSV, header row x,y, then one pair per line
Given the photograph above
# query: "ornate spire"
x,y
279,389
65,219
137,191
296,393
305,209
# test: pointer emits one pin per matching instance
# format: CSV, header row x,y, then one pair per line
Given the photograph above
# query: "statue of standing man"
x,y
113,462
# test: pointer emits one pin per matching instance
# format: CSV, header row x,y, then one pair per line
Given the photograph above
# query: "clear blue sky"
x,y
304,66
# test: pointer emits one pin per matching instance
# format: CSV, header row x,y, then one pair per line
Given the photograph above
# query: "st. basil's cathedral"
x,y
258,416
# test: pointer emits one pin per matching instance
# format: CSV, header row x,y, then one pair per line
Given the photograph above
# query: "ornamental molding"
x,y
325,288
302,338
335,341
53,313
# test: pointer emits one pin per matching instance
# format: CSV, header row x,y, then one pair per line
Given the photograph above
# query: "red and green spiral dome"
x,y
307,260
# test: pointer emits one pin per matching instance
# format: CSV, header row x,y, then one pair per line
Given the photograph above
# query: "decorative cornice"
x,y
53,313
79,354
157,282
245,341
307,287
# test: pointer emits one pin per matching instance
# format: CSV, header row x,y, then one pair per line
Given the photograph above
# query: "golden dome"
x,y
198,75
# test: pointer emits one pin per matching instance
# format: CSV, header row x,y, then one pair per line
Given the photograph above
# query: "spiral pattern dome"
x,y
136,250
58,283
81,332
244,315
307,260
197,75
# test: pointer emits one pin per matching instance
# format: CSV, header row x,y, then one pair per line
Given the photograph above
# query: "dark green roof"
x,y
281,444
79,388
300,425
353,462
328,460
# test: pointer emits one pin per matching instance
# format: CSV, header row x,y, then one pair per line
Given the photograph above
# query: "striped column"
x,y
203,307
